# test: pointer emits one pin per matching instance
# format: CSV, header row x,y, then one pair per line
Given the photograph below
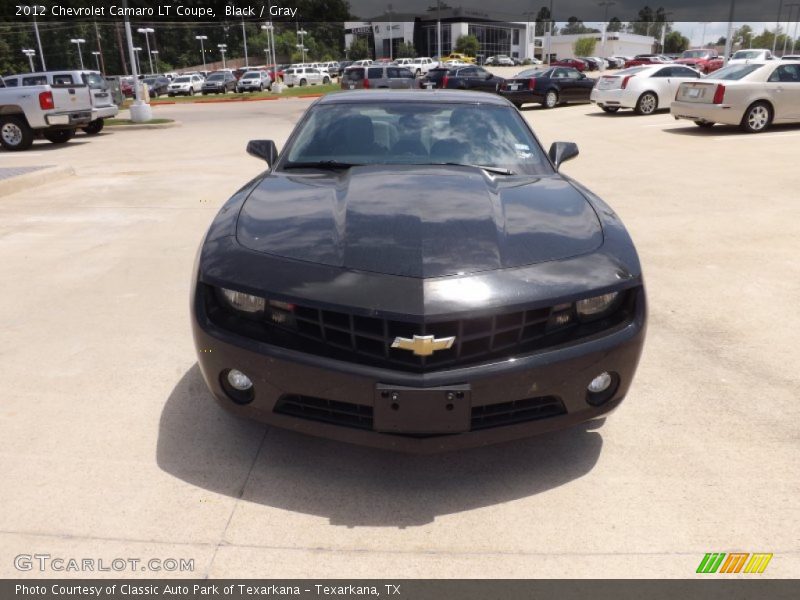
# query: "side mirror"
x,y
263,149
561,152
581,75
488,76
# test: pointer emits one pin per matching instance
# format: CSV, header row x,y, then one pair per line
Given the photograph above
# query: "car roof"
x,y
430,96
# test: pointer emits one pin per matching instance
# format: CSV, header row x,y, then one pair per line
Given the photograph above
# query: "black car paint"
x,y
577,88
224,260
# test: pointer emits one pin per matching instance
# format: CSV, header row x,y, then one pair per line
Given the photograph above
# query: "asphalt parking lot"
x,y
111,447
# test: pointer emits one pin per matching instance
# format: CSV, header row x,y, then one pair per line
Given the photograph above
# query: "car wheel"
x,y
610,109
191,91
94,127
646,104
704,124
303,83
757,118
550,99
326,81
15,134
59,136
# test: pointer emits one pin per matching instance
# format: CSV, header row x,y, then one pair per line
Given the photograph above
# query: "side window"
x,y
393,72
11,82
786,74
665,72
468,72
374,73
572,73
63,79
37,80
405,73
684,72
559,74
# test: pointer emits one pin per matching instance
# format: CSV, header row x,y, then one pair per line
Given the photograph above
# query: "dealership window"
x,y
493,40
515,38
431,41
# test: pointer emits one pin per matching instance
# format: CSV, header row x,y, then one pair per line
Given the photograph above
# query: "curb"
x,y
233,100
33,179
140,126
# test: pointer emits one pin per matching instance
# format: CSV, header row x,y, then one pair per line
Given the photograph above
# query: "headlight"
x,y
597,306
242,302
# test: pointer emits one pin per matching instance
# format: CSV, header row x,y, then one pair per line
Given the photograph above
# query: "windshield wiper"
x,y
490,169
321,164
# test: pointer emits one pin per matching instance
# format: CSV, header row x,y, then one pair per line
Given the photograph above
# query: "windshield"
x,y
416,133
183,80
251,75
734,72
694,54
95,81
632,71
746,54
216,77
532,73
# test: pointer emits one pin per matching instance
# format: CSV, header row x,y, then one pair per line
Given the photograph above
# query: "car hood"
x,y
428,221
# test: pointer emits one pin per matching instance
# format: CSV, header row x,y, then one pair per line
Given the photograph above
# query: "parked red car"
x,y
571,62
702,59
645,59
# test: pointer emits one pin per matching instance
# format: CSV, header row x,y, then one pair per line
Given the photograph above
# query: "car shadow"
x,y
48,146
727,130
201,444
624,113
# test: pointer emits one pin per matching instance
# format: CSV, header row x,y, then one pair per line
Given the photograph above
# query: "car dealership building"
x,y
512,38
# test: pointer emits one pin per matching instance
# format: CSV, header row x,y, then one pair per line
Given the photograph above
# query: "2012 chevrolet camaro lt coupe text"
x,y
413,272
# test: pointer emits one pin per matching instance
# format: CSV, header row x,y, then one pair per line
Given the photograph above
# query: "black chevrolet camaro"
x,y
413,272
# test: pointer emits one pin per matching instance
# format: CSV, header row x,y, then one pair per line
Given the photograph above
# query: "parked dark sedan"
x,y
548,87
400,279
469,77
219,82
156,85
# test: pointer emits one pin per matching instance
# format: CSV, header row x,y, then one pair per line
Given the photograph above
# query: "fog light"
x,y
598,384
239,381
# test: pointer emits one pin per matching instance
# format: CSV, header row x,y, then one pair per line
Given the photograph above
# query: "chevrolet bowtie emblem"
x,y
423,345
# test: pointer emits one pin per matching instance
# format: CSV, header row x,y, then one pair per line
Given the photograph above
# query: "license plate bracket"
x,y
399,409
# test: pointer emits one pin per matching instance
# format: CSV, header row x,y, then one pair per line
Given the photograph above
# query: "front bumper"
x,y
613,98
561,373
711,113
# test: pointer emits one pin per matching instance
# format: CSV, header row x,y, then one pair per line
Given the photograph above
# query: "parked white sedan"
x,y
752,95
188,85
645,88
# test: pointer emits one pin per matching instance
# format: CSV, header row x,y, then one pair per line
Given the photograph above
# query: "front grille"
x,y
358,416
367,340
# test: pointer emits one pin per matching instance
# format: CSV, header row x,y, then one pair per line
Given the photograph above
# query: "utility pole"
x,y
39,42
244,35
102,64
140,110
121,50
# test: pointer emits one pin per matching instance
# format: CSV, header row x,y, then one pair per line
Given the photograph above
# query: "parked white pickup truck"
x,y
54,111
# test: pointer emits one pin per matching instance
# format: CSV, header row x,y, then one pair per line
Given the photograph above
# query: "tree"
x,y
576,26
467,44
359,49
406,50
584,46
743,36
614,25
542,20
675,43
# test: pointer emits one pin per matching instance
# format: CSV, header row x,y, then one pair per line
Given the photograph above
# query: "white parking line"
x,y
763,136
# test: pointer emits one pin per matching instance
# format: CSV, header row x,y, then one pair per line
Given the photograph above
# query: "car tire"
x,y
647,104
15,133
326,80
610,109
191,91
59,136
550,99
303,83
704,124
757,118
94,127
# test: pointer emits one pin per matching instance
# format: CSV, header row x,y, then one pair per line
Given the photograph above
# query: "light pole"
x,y
391,32
202,49
96,59
147,31
244,35
301,33
30,54
788,23
140,110
777,26
550,33
270,29
79,41
794,37
223,48
138,49
39,41
155,55
728,40
664,31
605,5
703,39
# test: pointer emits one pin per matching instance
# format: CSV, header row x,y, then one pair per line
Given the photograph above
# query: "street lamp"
x,y
391,32
146,31
79,41
96,59
223,48
605,5
664,31
270,29
155,55
138,49
301,33
30,54
244,36
202,49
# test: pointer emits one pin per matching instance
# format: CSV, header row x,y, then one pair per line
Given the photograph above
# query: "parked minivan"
x,y
376,77
103,106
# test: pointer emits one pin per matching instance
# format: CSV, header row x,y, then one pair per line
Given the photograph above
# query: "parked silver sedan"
x,y
752,95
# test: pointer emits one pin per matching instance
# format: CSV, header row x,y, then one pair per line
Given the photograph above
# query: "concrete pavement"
x,y
110,446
